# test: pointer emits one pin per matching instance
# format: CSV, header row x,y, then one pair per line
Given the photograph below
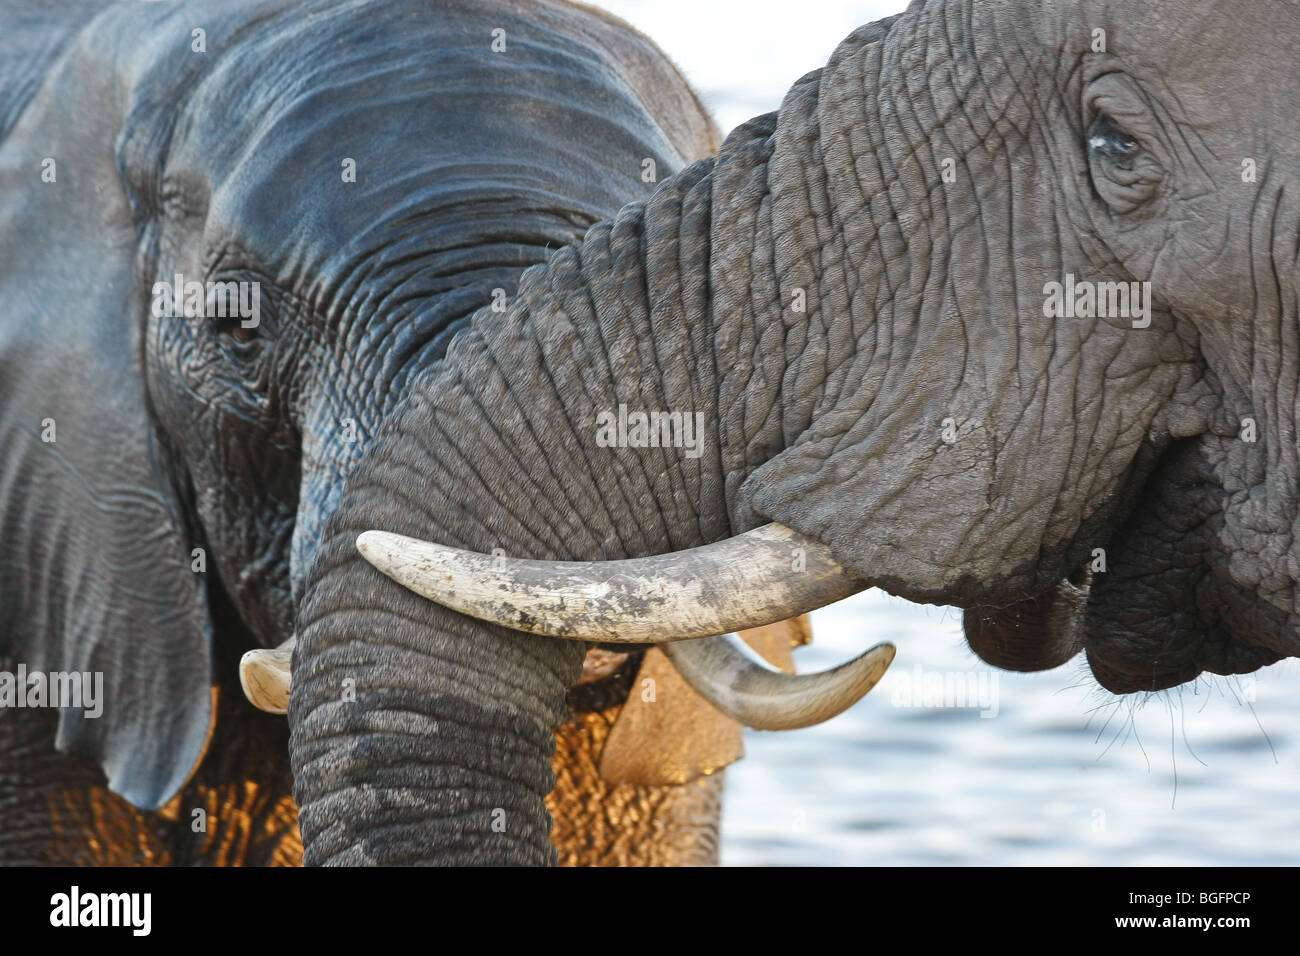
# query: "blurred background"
x,y
949,761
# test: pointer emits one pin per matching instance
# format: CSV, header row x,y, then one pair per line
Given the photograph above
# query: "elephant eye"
x,y
1124,174
240,341
235,329
236,313
1107,138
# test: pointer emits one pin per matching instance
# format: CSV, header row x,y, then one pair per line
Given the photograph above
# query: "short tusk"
x,y
750,580
264,675
731,677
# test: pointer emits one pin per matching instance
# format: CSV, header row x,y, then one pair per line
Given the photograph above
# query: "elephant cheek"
x,y
1032,635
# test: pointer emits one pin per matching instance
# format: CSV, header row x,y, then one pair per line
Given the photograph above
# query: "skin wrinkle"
x,y
827,262
662,268
797,340
613,306
1006,154
606,353
589,398
380,669
885,289
736,179
761,302
501,502
511,766
537,438
419,233
1087,426
671,256
790,264
404,715
430,695
692,218
504,503
1276,464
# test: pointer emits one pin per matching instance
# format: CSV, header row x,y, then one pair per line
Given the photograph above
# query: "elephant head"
x,y
233,236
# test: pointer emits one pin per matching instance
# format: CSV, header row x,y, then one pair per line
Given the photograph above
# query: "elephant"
x,y
993,312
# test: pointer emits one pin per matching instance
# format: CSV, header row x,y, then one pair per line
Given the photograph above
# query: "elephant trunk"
x,y
418,738
419,735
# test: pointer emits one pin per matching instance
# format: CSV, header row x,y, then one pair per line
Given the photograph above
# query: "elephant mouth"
x,y
1122,672
1128,652
1159,604
1157,653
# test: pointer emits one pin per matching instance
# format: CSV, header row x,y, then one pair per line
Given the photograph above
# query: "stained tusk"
x,y
734,679
751,580
264,675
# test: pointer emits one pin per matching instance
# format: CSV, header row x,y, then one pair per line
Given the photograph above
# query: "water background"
x,y
1059,772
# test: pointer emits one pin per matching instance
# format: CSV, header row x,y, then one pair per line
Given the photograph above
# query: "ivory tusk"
x,y
734,679
265,676
742,582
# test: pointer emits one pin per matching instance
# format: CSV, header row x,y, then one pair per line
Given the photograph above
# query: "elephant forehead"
x,y
355,122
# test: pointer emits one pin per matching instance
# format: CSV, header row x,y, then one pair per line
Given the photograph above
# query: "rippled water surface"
x,y
1058,771
1044,769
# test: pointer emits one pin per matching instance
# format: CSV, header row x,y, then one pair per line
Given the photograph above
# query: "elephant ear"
x,y
95,572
